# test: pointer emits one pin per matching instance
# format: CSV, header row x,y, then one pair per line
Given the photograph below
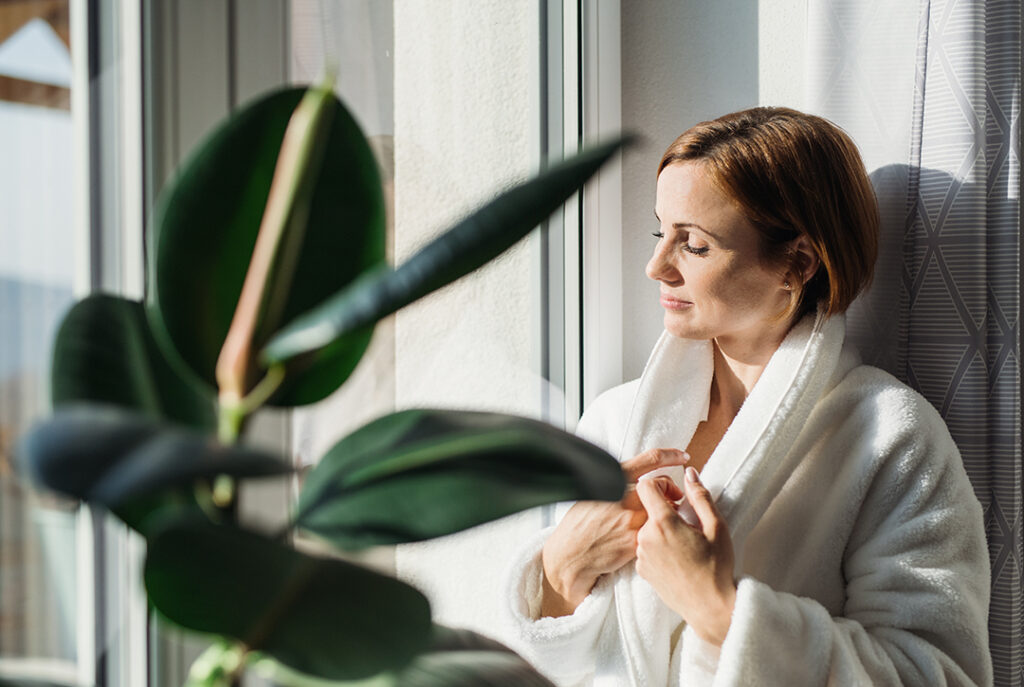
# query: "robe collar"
x,y
746,470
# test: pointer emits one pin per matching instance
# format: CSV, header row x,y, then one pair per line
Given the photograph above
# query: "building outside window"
x,y
39,277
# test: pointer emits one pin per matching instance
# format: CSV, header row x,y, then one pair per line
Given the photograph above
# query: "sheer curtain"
x,y
931,91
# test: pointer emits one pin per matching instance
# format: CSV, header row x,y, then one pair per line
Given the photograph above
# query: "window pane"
x,y
37,276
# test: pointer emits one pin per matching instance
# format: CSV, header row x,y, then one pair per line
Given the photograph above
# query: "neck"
x,y
738,366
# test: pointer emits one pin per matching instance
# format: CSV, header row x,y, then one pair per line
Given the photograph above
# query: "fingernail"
x,y
686,457
691,475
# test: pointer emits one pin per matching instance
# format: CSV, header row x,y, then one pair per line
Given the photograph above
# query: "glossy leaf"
x,y
470,244
105,353
129,463
207,220
419,474
319,616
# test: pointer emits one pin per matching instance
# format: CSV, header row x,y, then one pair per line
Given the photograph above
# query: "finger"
x,y
669,489
700,499
652,460
653,499
630,500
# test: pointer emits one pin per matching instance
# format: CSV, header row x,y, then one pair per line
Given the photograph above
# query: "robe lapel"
x,y
672,399
755,451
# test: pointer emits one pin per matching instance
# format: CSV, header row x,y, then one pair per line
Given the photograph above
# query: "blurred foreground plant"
x,y
266,277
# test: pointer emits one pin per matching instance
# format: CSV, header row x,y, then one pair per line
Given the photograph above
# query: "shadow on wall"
x,y
877,310
879,321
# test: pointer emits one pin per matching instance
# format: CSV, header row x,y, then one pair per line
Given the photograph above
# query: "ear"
x,y
805,259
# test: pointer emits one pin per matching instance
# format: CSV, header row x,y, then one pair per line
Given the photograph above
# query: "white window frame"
x,y
107,124
594,27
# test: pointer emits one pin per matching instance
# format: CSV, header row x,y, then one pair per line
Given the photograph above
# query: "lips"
x,y
672,303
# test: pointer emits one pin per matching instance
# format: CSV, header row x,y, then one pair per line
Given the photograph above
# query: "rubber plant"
x,y
266,275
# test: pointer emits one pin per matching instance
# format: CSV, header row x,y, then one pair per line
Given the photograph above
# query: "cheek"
x,y
722,285
745,289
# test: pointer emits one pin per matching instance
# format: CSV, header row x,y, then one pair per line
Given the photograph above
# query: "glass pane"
x,y
37,275
453,121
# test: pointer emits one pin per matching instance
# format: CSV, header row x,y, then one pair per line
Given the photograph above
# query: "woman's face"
x,y
714,284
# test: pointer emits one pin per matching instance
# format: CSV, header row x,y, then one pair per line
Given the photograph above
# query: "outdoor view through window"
x,y
37,277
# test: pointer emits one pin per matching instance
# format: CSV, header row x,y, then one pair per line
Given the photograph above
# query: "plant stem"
x,y
263,390
230,418
235,676
234,411
224,492
279,238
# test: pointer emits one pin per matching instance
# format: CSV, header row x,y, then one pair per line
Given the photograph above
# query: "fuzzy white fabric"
x,y
861,554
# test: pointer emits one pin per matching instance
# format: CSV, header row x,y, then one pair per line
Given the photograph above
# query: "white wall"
x,y
466,124
782,48
682,62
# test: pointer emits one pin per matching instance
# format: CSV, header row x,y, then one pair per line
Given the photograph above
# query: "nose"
x,y
660,267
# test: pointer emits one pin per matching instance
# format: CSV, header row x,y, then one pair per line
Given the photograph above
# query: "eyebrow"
x,y
686,225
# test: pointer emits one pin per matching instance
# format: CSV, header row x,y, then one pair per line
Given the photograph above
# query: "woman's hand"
x,y
597,537
691,568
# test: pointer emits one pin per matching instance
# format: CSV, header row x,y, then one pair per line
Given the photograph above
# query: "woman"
x,y
829,534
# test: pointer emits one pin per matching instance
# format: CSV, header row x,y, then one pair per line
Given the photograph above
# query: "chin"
x,y
681,329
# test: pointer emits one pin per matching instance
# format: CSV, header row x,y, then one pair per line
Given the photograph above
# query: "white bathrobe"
x,y
860,550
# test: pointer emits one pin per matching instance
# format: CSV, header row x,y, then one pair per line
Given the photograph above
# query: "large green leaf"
x,y
319,616
419,474
207,220
129,463
471,243
106,353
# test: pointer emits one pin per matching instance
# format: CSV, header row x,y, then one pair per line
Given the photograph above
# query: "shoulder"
x,y
908,454
604,421
889,407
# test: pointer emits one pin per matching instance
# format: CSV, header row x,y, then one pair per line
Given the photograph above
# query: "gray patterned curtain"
x,y
932,95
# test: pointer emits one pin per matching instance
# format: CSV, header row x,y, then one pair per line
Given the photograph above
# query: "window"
x,y
39,273
70,223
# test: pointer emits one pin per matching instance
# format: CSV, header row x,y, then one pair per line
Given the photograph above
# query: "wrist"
x,y
564,589
715,624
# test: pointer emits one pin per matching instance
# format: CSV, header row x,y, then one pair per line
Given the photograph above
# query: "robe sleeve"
x,y
917,590
563,649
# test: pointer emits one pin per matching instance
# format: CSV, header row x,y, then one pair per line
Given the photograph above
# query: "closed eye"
x,y
701,251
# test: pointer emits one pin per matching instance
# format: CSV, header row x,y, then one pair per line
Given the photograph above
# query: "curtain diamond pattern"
x,y
949,147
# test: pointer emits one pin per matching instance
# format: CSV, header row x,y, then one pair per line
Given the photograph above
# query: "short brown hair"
x,y
794,174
